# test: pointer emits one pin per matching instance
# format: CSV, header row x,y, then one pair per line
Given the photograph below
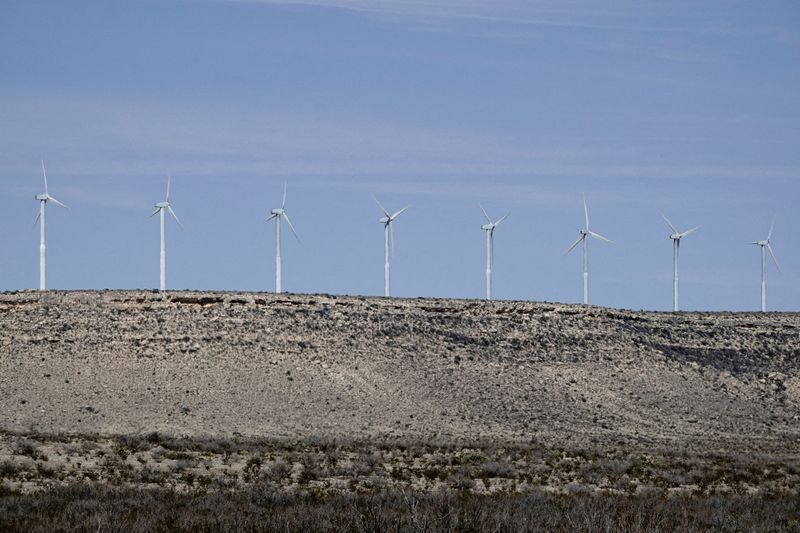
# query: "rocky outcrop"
x,y
296,365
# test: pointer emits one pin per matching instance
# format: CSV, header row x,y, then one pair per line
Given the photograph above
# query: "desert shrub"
x,y
311,469
253,465
461,480
495,469
24,446
185,463
9,469
278,470
468,458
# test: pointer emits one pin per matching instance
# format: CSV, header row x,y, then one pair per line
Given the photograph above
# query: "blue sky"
x,y
690,108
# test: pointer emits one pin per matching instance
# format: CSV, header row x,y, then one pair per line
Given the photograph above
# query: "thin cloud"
x,y
558,15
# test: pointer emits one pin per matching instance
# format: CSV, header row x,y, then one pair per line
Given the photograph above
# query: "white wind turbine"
x,y
489,229
584,237
765,247
161,207
278,214
388,241
676,244
43,199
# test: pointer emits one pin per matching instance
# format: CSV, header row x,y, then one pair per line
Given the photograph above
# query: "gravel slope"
x,y
260,364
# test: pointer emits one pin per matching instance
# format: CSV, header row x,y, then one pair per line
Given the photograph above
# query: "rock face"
x,y
296,365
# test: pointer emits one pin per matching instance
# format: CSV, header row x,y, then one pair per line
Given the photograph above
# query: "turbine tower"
x,y
765,247
584,237
676,244
278,214
43,199
388,241
161,207
489,229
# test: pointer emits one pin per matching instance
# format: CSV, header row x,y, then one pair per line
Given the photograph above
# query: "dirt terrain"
x,y
293,366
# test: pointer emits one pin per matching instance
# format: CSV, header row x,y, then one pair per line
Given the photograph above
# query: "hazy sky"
x,y
685,107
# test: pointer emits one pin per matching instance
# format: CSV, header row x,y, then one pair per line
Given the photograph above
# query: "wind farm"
x,y
165,210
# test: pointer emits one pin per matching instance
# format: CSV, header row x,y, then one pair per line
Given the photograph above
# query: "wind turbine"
x,y
489,229
584,237
278,214
676,244
765,246
43,199
161,207
388,241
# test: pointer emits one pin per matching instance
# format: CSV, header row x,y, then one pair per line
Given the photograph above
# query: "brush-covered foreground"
x,y
160,483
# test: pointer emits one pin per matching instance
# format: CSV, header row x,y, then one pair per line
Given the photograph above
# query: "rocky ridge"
x,y
260,364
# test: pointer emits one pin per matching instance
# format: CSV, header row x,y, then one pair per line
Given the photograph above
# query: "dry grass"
x,y
93,507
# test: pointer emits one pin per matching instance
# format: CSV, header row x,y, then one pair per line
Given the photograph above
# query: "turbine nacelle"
x,y
278,212
677,235
161,205
489,226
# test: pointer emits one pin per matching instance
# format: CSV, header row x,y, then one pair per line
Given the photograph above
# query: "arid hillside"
x,y
265,365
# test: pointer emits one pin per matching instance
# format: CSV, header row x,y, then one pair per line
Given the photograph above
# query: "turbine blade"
x,y
283,198
489,220
270,218
685,233
598,236
171,212
502,219
154,213
290,226
576,243
399,212
44,173
59,204
38,216
771,228
671,226
772,254
169,179
385,212
586,213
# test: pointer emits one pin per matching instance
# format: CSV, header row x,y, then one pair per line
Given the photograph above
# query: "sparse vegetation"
x,y
93,507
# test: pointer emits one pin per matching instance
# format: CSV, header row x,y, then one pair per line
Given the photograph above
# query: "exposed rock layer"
x,y
296,365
